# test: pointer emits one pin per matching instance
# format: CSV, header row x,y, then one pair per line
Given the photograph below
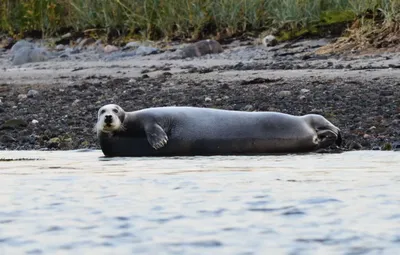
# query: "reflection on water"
x,y
81,203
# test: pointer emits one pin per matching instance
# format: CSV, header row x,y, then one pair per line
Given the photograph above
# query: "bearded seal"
x,y
191,131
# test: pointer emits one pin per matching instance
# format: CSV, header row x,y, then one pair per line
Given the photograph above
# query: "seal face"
x,y
189,131
110,118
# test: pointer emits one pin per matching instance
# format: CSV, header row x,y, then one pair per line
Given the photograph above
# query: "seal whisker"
x,y
122,127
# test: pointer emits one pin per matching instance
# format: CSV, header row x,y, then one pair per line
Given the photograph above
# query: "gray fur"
x,y
206,131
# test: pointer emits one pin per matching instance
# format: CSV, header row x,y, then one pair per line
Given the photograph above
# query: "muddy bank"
x,y
53,104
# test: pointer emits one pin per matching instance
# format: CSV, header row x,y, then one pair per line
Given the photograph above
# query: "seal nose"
x,y
108,119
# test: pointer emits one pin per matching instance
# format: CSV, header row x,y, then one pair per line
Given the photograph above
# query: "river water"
x,y
75,202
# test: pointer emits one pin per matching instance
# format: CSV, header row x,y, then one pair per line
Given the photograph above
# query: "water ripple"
x,y
80,203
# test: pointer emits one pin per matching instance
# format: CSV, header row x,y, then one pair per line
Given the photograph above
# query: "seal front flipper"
x,y
156,135
327,138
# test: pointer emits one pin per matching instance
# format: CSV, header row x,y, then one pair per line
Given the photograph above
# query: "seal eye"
x,y
115,110
102,111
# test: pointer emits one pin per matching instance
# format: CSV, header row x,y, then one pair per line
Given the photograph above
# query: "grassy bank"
x,y
170,19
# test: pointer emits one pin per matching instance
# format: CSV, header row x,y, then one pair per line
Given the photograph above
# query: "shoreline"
x,y
357,93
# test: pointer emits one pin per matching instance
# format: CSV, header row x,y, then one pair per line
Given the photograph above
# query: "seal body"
x,y
190,131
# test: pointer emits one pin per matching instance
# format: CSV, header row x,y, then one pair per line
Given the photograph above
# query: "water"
x,y
80,203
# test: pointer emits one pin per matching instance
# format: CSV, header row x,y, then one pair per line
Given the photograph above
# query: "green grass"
x,y
171,19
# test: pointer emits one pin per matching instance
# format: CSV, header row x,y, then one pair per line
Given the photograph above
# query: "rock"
x,y
396,146
35,122
67,35
269,41
21,56
27,55
60,47
284,93
200,48
316,111
22,97
395,122
39,54
75,103
304,91
355,146
145,50
21,44
110,48
7,139
32,93
207,99
72,51
14,123
131,45
248,108
85,42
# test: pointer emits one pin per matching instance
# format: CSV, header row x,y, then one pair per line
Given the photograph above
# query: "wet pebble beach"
x,y
52,103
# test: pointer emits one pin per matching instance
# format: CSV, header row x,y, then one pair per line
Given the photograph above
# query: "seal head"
x,y
110,118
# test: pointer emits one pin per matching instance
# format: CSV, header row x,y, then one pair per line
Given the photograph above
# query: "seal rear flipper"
x,y
156,135
327,138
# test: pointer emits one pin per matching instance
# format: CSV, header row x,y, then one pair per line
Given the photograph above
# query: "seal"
x,y
190,131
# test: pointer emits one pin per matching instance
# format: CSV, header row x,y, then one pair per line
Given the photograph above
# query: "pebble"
x,y
200,48
284,93
370,100
144,50
131,45
21,44
85,42
7,139
60,47
22,97
67,35
32,93
269,41
110,48
75,103
248,108
28,54
14,123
